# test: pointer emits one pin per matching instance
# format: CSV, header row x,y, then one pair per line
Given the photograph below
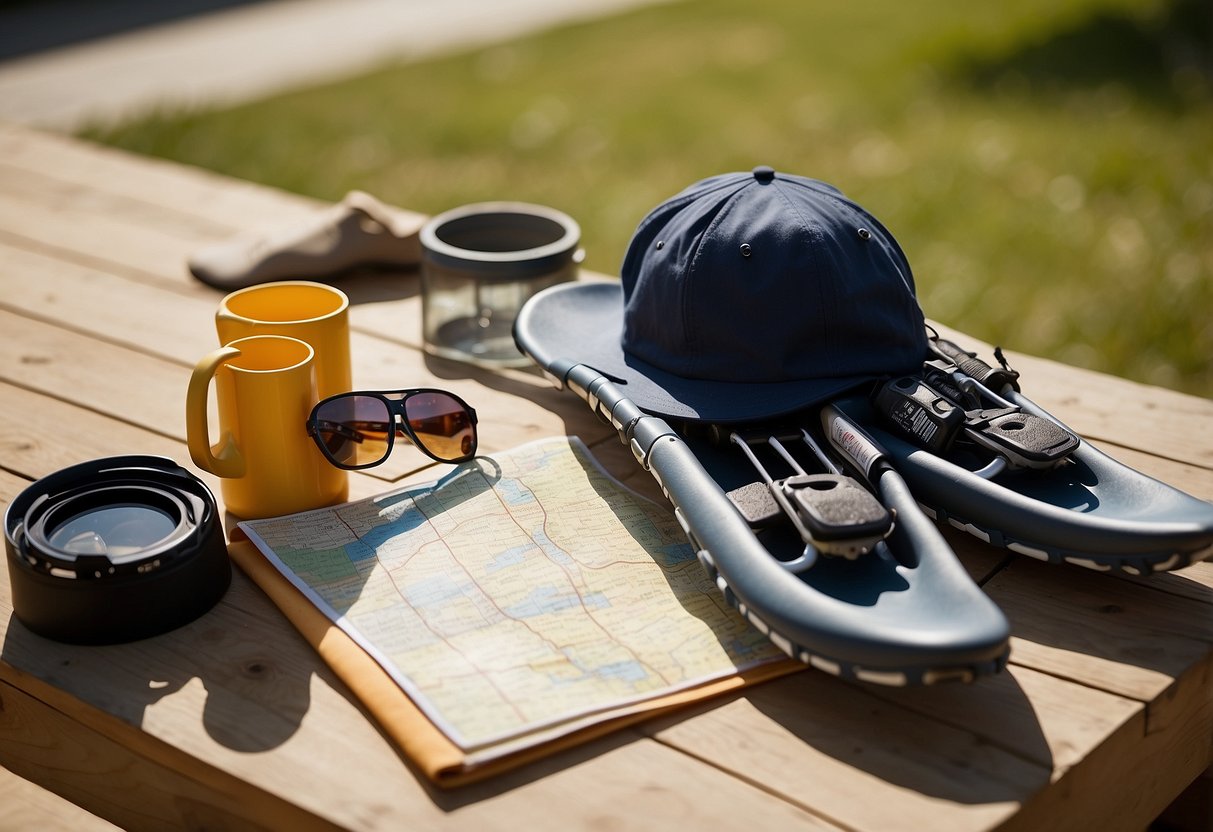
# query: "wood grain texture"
x,y
1103,717
29,806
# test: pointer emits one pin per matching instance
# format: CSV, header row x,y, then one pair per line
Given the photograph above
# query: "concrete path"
x,y
238,52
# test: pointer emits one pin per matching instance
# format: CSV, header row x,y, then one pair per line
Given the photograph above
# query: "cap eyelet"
x,y
864,234
746,251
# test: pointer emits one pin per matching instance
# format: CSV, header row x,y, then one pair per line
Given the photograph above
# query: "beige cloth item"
x,y
430,751
358,231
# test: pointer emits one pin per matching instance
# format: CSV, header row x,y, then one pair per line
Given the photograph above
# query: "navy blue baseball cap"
x,y
744,297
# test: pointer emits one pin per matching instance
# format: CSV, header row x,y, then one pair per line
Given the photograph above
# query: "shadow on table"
x,y
808,735
375,285
1097,629
255,697
974,744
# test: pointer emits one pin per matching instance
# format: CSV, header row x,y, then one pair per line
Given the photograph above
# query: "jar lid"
x,y
501,241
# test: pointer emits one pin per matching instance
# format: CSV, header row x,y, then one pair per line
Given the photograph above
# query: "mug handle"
x,y
224,460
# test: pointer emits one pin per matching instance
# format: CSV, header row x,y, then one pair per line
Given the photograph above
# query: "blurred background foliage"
x,y
1046,164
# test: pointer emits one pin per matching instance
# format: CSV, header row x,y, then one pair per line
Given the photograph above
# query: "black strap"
x,y
968,363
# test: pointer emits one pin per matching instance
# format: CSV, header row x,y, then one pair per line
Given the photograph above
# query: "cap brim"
x,y
582,323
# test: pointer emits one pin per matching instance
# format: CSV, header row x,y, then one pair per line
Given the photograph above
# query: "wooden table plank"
x,y
1130,778
226,204
860,759
105,770
29,806
39,356
1071,735
1119,636
1133,638
1110,681
102,770
102,229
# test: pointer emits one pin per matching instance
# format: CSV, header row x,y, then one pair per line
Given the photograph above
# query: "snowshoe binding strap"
x,y
938,410
832,512
967,363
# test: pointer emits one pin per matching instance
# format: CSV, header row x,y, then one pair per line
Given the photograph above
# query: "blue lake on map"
x,y
510,557
629,670
513,492
547,599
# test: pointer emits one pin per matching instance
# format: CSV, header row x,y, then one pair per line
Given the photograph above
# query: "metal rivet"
x,y
864,234
745,250
660,245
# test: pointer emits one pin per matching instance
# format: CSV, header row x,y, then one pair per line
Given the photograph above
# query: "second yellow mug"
x,y
265,390
311,312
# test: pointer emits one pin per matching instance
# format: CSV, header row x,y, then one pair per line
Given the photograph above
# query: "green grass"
x,y
1046,164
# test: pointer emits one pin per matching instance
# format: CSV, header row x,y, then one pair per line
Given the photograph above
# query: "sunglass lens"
x,y
354,429
442,424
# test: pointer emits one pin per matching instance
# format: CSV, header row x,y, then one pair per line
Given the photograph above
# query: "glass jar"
x,y
480,264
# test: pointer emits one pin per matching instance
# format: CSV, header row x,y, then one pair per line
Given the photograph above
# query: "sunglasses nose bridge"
x,y
403,431
400,418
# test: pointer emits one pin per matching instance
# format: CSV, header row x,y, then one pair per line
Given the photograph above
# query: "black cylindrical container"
x,y
114,550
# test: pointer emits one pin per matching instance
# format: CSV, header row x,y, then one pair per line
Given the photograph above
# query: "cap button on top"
x,y
764,174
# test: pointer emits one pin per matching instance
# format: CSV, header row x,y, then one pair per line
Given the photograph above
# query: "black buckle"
x,y
1026,440
832,512
939,409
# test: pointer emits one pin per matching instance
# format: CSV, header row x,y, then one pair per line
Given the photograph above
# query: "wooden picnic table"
x,y
1104,716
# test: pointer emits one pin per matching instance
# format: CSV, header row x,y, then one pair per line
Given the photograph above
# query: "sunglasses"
x,y
357,430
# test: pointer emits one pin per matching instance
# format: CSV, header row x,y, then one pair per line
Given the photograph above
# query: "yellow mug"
x,y
311,312
265,389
